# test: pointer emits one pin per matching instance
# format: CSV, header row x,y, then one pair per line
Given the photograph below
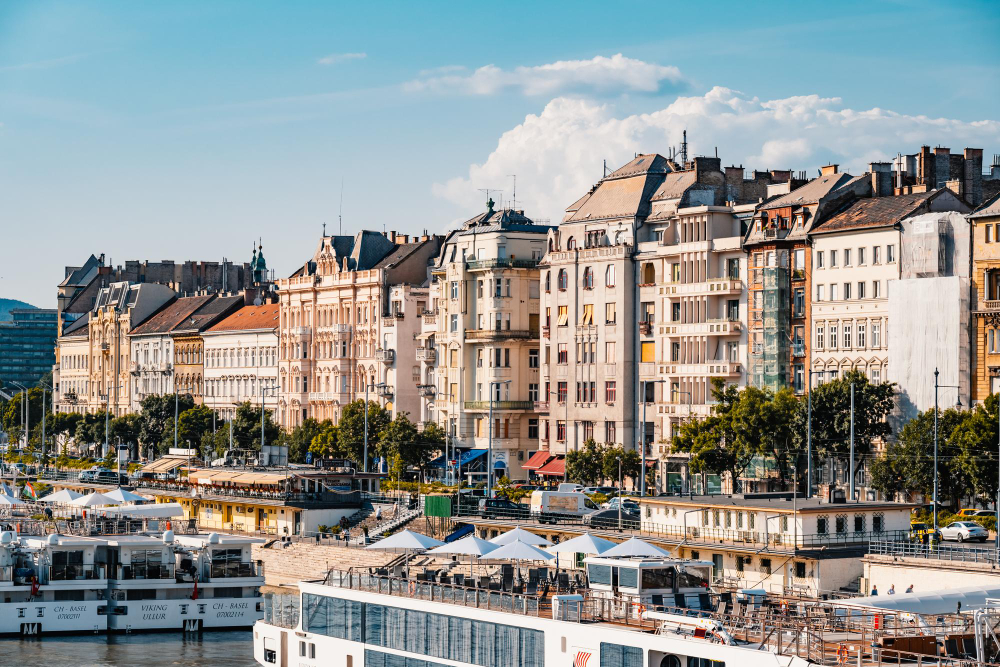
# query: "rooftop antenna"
x,y
513,201
489,201
684,148
340,215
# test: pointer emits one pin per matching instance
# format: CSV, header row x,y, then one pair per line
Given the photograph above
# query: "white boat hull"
x,y
35,618
187,615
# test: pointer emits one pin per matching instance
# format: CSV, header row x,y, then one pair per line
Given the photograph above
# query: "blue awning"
x,y
470,455
437,463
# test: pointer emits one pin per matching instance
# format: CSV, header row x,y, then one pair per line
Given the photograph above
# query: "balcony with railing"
x,y
499,405
300,332
645,328
499,334
541,406
71,572
500,263
229,569
427,354
132,571
385,356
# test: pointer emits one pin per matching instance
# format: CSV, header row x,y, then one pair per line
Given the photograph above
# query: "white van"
x,y
569,487
550,506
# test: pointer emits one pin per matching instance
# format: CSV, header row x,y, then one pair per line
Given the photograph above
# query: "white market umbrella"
x,y
635,547
149,511
520,535
63,496
583,544
122,496
6,490
467,546
518,550
94,499
10,501
406,541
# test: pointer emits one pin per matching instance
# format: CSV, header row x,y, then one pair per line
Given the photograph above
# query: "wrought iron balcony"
x,y
500,263
499,405
385,356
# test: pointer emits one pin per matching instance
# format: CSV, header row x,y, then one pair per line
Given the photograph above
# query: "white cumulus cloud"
x,y
337,58
558,154
600,74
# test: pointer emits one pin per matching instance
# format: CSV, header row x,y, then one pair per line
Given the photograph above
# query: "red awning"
x,y
556,466
537,460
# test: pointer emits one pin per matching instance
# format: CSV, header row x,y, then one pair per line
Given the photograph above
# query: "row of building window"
x,y
326,316
587,281
859,258
235,357
850,291
851,336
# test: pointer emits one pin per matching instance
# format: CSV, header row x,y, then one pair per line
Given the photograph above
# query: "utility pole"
x,y
364,466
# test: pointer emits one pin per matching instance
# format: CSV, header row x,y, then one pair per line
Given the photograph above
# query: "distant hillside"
x,y
7,305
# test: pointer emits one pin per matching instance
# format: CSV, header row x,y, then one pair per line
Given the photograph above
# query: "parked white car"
x,y
964,531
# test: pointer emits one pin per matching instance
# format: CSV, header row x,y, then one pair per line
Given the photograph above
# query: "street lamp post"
x,y
24,411
489,462
642,436
364,464
958,404
44,387
620,484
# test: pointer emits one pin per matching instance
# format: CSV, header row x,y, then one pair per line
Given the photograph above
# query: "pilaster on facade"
x,y
986,299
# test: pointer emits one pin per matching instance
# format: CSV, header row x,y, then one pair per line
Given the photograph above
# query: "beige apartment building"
x,y
643,294
71,376
335,310
117,310
241,360
480,341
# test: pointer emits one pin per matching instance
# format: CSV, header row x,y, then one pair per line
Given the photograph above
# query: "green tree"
x,y
975,438
13,412
246,427
326,442
912,456
631,462
586,464
125,430
401,438
744,424
90,429
156,411
299,440
351,429
831,414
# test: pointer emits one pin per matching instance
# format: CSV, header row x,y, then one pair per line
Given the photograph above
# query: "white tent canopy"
x,y
94,499
635,547
10,500
469,545
63,496
929,602
520,535
122,496
406,540
518,550
583,544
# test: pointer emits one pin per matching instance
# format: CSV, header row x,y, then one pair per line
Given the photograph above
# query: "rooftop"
x,y
771,501
172,315
812,192
248,318
989,209
875,212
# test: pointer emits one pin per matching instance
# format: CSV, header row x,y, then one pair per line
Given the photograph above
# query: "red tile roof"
x,y
250,317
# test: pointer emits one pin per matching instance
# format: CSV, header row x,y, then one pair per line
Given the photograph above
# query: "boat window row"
x,y
379,659
435,635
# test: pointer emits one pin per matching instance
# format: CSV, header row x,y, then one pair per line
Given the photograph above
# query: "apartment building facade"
x,y
71,377
334,310
481,341
241,360
986,294
780,278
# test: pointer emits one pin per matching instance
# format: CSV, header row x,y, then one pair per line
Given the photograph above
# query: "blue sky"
x,y
184,130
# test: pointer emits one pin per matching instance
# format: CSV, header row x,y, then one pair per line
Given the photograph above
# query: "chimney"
x,y
942,167
829,169
973,176
734,176
392,236
881,173
925,166
704,165
402,238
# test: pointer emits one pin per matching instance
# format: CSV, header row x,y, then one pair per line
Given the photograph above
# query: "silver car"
x,y
962,531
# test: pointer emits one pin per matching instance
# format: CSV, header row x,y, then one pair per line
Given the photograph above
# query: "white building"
x,y
241,359
482,341
71,376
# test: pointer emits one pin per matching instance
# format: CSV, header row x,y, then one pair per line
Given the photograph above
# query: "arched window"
x,y
588,278
563,280
548,281
571,244
609,276
648,274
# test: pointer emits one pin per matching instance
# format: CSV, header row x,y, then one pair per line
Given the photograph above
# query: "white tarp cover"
x,y
930,602
157,511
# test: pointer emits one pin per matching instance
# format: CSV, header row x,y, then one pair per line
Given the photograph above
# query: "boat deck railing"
x,y
911,549
514,603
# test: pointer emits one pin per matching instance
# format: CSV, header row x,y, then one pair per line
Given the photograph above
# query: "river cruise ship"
x,y
625,612
67,583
